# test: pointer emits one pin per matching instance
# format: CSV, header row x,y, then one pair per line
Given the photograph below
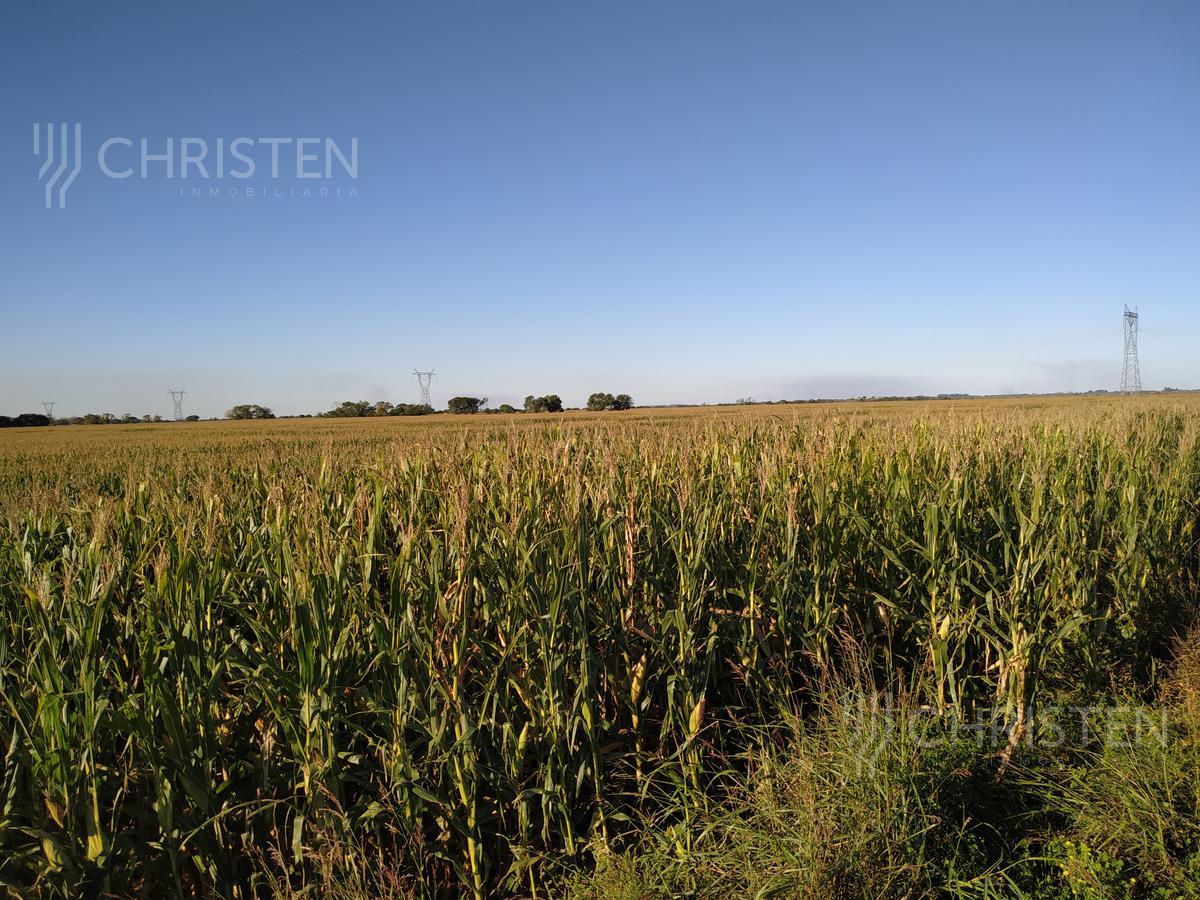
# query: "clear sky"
x,y
684,201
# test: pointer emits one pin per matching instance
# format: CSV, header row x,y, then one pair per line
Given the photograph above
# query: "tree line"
x,y
465,405
546,403
347,409
26,420
601,401
358,408
249,411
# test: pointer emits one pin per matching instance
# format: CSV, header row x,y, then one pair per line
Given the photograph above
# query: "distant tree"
x,y
192,418
351,409
506,408
358,408
599,401
464,404
250,411
27,420
602,400
411,409
7,422
548,403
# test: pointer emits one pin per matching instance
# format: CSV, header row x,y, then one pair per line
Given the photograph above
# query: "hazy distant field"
x,y
16,443
598,653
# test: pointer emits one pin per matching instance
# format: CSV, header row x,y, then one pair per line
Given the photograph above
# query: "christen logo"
x,y
62,147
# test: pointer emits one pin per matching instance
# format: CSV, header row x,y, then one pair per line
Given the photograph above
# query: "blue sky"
x,y
683,201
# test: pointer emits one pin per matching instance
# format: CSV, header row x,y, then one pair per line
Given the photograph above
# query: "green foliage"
x,y
352,409
547,403
602,401
24,420
1088,874
1131,804
411,409
250,411
465,404
863,798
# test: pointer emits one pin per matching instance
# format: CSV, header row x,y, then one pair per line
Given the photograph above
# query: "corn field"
x,y
471,651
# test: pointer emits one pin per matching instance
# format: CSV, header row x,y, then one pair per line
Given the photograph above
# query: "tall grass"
x,y
473,657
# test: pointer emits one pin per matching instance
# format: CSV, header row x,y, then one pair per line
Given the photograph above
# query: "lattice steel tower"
x,y
49,405
424,380
1131,375
178,396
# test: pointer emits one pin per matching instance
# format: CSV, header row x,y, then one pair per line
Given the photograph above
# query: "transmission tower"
x,y
178,396
1131,375
49,405
424,380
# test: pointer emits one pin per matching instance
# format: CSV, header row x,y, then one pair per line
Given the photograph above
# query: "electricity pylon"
x,y
178,396
1131,375
424,380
